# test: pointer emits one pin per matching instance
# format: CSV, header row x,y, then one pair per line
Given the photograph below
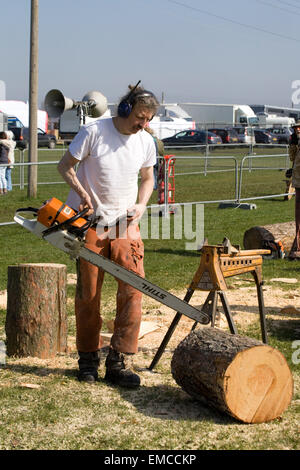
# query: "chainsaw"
x,y
65,229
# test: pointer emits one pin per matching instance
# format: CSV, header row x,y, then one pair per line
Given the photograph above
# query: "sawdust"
x,y
3,299
243,303
181,420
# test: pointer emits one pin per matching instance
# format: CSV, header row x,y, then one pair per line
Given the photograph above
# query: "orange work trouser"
x,y
296,244
128,251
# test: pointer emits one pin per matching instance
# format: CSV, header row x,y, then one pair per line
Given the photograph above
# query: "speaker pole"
x,y
33,101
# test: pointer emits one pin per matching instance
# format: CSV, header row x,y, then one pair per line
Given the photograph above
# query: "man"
x,y
294,153
112,153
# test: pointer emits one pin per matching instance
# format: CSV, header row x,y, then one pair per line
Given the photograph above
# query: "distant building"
x,y
278,110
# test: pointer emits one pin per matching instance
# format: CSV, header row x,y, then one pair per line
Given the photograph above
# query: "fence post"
x,y
240,179
236,171
22,169
206,160
166,188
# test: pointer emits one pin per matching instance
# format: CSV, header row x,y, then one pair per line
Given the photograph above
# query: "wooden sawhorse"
x,y
217,263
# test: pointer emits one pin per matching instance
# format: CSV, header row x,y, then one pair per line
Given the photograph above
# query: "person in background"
x,y
111,154
294,154
10,144
3,162
160,151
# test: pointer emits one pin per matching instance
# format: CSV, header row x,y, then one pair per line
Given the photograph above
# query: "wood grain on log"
x,y
36,319
237,375
284,232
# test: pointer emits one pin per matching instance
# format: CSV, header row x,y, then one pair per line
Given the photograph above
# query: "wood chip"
x,y
33,386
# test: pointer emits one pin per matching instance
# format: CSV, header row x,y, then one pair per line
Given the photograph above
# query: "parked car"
x,y
262,136
228,136
283,134
245,134
22,138
192,137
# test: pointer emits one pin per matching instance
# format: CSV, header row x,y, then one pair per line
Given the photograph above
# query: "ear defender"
x,y
125,106
124,109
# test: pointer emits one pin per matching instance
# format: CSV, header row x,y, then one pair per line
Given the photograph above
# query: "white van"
x,y
246,134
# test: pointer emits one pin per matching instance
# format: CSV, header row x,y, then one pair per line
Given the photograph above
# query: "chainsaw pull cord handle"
x,y
68,222
34,210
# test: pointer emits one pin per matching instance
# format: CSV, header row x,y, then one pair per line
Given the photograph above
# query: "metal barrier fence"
x,y
273,162
243,172
19,175
251,159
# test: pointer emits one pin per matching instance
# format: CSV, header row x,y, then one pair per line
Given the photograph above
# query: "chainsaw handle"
x,y
66,223
28,209
78,215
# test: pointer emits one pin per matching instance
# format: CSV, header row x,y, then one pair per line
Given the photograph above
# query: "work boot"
x,y
88,366
119,370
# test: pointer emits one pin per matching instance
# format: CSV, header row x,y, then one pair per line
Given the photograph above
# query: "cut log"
x,y
237,375
36,318
255,237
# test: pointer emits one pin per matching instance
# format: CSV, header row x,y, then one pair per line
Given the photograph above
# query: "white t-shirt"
x,y
109,166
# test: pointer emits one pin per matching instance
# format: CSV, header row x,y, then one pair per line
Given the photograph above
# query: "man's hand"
x,y
135,212
86,202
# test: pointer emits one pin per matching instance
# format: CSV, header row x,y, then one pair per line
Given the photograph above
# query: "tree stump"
x,y
255,237
237,375
36,319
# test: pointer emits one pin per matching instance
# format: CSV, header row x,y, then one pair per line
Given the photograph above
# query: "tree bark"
x,y
284,232
36,319
237,375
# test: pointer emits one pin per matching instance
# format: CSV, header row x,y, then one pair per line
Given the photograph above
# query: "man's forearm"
x,y
145,191
66,169
69,175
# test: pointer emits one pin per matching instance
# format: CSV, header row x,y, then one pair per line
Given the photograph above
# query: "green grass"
x,y
65,414
166,263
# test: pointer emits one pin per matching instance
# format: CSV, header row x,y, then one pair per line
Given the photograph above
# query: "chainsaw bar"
x,y
74,246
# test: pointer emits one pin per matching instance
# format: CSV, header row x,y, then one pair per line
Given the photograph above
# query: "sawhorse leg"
x,y
227,312
170,331
209,306
261,306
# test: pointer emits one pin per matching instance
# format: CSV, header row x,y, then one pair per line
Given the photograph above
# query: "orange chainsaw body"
x,y
55,212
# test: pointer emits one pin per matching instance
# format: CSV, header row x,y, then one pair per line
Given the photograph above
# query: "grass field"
x,y
43,406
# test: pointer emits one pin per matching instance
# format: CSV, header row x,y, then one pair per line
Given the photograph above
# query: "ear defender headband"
x,y
125,107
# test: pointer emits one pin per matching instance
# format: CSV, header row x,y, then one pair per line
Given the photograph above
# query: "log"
x,y
237,375
255,237
36,318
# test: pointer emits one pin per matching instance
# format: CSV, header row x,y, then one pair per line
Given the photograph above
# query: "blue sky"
x,y
236,51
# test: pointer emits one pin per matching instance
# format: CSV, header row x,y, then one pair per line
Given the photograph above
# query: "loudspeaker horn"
x,y
56,103
97,103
